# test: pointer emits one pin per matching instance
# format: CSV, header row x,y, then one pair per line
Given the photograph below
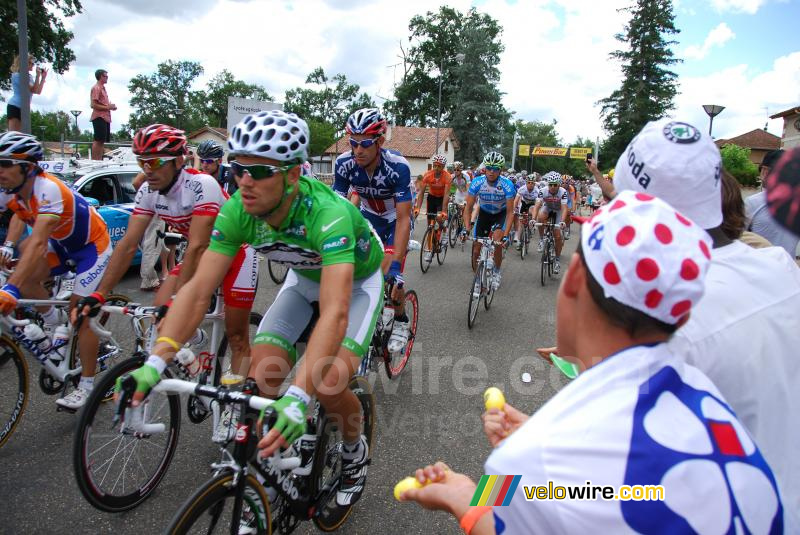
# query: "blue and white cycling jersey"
x,y
389,185
492,197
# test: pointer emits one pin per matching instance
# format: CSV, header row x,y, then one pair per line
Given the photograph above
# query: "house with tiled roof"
x,y
791,127
758,141
417,145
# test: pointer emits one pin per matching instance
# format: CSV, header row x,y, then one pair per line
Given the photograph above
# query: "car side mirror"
x,y
92,201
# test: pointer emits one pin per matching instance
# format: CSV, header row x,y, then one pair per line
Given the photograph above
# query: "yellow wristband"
x,y
472,516
169,341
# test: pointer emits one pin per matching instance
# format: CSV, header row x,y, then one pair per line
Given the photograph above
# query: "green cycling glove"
x,y
291,414
146,378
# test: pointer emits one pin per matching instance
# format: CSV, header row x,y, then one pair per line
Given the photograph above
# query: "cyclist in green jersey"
x,y
335,261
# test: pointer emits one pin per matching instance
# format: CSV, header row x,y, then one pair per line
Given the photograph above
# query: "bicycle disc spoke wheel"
x,y
396,363
13,388
117,470
210,509
277,271
474,300
426,251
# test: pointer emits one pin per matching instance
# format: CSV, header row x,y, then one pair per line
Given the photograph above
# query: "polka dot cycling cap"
x,y
646,255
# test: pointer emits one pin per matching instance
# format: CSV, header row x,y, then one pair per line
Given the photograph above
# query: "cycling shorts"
x,y
239,284
90,266
383,228
434,206
290,313
524,206
546,211
485,222
460,198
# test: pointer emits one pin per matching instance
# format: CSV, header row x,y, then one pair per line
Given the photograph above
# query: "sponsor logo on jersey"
x,y
335,244
162,207
217,235
296,231
98,272
363,245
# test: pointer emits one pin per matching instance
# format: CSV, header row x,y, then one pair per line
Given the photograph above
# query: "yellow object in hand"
x,y
404,485
494,399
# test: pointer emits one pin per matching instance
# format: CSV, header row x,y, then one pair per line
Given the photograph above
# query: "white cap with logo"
x,y
676,162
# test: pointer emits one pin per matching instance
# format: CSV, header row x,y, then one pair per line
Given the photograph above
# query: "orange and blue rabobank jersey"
x,y
79,223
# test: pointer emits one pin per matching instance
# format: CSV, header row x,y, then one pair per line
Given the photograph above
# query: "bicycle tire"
x,y
331,516
277,271
453,229
211,498
523,242
74,356
544,262
12,363
82,460
488,297
441,253
423,264
394,367
551,257
475,302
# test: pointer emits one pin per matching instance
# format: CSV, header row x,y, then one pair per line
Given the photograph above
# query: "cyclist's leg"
x,y
500,219
558,235
542,218
482,229
32,288
168,288
239,292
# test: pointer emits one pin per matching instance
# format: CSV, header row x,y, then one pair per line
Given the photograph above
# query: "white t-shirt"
x,y
745,335
640,417
763,224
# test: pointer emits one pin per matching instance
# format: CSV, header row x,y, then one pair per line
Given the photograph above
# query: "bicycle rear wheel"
x,y
523,242
426,250
277,271
453,228
475,299
14,391
210,509
117,470
327,466
395,364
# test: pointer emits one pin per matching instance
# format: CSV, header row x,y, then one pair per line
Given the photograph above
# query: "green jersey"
x,y
321,229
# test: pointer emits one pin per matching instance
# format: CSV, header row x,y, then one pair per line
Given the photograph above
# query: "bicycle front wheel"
x,y
116,467
452,229
475,293
489,295
395,364
523,242
544,262
14,391
210,509
277,271
426,250
442,246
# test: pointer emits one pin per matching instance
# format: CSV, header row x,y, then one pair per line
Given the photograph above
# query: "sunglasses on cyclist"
x,y
207,160
259,171
495,168
365,143
154,163
5,164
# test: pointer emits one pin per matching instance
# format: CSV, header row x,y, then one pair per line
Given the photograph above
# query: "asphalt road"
x,y
432,412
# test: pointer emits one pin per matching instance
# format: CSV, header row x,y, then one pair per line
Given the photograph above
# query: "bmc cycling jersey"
x,y
389,184
553,201
198,194
80,235
436,186
492,197
321,229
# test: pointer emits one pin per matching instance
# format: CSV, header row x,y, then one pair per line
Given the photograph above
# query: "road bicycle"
x,y
549,248
524,234
117,466
60,369
303,479
455,223
433,243
481,287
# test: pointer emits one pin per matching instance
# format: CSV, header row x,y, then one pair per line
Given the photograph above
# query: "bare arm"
x,y
468,212
420,195
509,215
402,230
199,236
15,229
605,185
124,252
336,286
36,250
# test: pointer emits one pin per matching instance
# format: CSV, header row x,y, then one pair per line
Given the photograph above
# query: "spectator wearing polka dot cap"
x,y
637,414
744,333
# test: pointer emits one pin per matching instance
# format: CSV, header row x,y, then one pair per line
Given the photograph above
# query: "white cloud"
x,y
716,38
738,6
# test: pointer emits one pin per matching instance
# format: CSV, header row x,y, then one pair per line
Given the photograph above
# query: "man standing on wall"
x,y
101,114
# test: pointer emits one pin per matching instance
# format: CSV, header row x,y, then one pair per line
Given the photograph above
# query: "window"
x,y
100,188
127,191
446,145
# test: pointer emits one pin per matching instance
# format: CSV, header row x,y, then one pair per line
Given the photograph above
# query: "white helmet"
x,y
271,134
440,158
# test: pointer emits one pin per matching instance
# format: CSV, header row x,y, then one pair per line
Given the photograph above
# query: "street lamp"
x,y
712,110
459,58
77,130
178,113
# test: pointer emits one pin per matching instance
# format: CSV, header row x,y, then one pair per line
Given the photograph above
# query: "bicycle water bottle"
x,y
307,443
37,337
60,342
186,359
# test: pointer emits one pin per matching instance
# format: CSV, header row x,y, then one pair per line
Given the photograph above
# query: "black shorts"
x,y
524,206
485,222
13,112
102,130
434,206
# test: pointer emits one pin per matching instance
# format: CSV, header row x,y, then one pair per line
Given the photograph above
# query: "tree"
x,y
49,126
736,160
332,101
323,134
222,86
165,96
47,36
648,87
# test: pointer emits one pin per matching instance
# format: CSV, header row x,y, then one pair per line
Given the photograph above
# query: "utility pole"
x,y
24,78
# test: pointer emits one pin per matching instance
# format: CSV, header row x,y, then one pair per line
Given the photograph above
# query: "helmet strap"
x,y
28,171
165,190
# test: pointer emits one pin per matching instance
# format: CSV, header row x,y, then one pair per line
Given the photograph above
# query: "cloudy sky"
x,y
743,54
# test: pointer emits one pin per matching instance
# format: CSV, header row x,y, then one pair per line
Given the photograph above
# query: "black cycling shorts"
x,y
485,222
524,206
434,206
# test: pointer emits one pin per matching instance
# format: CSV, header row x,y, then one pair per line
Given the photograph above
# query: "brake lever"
x,y
128,385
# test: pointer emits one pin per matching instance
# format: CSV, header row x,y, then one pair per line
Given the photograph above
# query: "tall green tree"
x,y
648,87
165,96
49,126
330,99
225,85
48,39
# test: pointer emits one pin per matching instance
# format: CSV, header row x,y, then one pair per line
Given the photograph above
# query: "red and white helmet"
x,y
440,158
367,121
159,139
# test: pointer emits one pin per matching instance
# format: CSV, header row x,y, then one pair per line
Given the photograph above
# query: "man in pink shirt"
x,y
101,114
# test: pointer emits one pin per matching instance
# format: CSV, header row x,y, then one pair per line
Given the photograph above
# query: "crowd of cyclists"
x,y
681,328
